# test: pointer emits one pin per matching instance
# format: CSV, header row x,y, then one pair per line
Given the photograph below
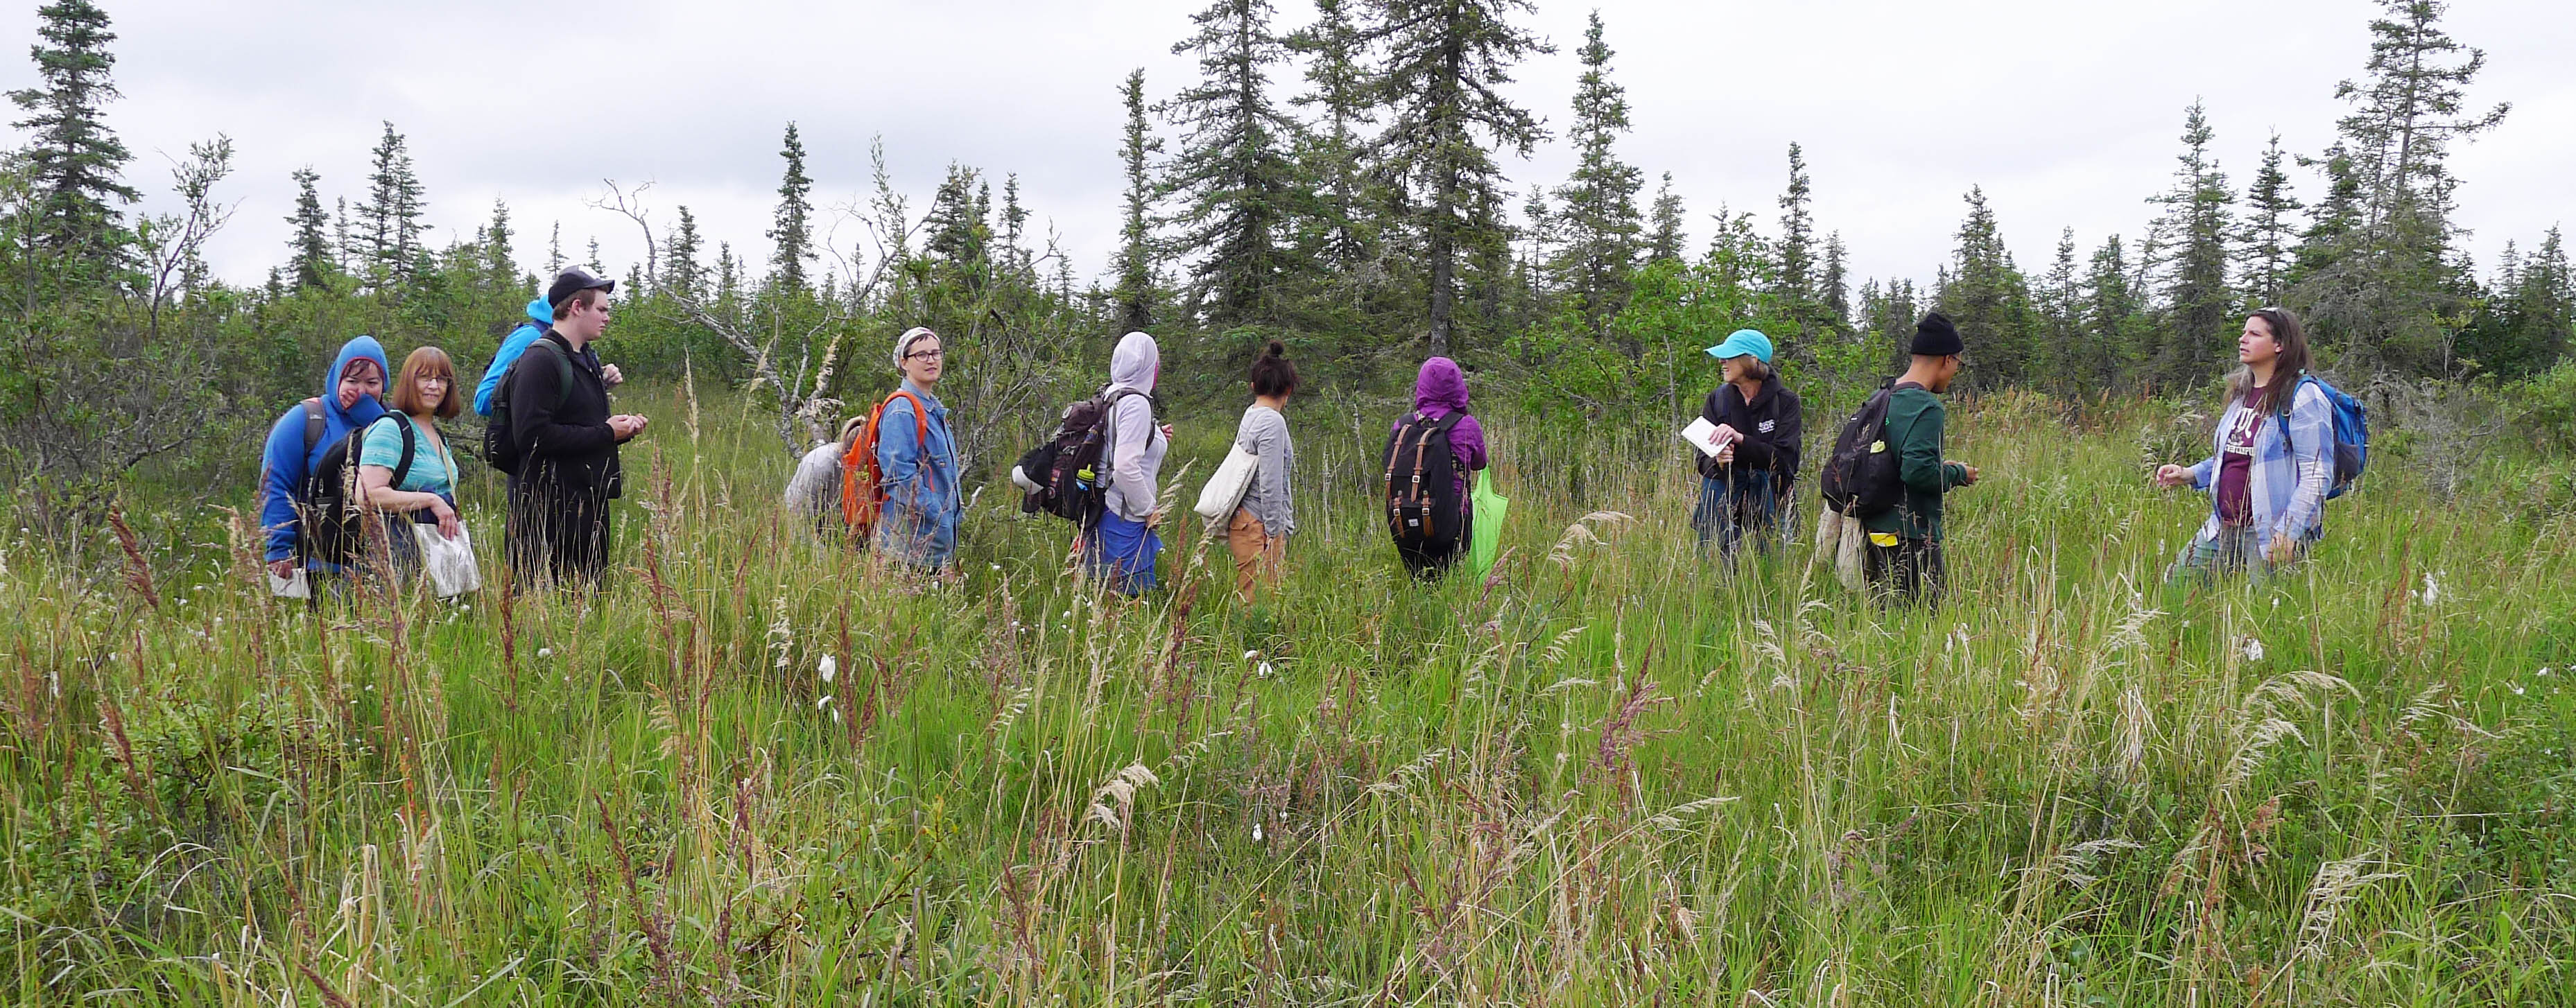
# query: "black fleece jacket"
x,y
1771,426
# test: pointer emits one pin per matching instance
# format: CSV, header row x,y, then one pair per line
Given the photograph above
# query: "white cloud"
x,y
2066,113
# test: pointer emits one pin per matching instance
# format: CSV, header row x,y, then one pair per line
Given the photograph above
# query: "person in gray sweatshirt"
x,y
1258,534
1122,547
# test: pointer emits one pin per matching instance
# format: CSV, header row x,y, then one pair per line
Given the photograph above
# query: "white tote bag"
x,y
449,563
1225,490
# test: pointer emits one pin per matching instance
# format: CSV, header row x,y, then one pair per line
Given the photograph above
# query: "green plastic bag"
x,y
1487,533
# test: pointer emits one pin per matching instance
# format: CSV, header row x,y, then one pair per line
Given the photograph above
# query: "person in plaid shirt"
x,y
2272,460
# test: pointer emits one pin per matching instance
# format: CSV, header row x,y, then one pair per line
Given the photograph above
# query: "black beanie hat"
x,y
1936,337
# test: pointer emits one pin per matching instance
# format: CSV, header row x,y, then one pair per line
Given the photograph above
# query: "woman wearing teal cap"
x,y
1743,486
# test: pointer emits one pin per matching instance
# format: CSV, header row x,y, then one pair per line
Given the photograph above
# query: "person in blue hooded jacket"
x,y
352,393
541,317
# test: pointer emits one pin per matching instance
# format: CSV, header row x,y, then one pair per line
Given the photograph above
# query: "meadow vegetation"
x,y
756,769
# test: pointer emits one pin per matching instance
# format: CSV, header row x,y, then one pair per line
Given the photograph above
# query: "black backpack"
x,y
1423,507
334,527
1862,479
1066,467
500,442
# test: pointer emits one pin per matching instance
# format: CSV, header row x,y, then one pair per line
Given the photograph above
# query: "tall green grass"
x,y
1617,772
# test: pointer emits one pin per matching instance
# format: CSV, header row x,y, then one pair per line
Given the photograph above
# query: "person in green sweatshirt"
x,y
1903,558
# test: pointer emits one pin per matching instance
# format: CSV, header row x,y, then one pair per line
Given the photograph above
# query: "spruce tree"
x,y
791,230
554,252
500,269
309,249
1237,190
1017,260
1832,290
2112,320
1441,83
2199,307
682,275
2059,329
390,218
1134,310
2271,233
2391,291
1797,233
1666,243
1331,153
1599,215
72,159
1987,296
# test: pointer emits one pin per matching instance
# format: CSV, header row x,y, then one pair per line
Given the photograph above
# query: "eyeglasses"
x,y
925,355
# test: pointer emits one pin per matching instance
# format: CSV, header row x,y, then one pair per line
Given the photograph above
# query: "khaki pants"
x,y
1259,557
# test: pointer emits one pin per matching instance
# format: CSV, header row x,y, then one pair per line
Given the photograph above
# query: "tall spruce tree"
x,y
1441,83
2271,233
1134,308
1599,221
1668,239
1238,192
1332,151
500,270
791,231
2113,322
2524,326
1797,234
2199,306
2058,326
389,219
72,159
1833,287
2389,291
1987,296
682,275
309,248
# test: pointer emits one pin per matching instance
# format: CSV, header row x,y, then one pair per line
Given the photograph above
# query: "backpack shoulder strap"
x,y
410,444
314,425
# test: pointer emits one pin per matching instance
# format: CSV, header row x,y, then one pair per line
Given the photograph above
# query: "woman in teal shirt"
x,y
421,486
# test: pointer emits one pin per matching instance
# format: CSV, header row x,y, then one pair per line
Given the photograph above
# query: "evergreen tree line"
x,y
1334,185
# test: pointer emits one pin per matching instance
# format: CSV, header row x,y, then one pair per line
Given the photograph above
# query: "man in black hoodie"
x,y
567,439
1744,487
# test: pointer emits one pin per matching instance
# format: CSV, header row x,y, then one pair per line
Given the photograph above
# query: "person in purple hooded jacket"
x,y
1440,390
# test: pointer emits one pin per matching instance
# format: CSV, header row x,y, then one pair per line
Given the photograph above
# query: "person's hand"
x,y
448,525
626,425
1167,432
2281,549
611,377
282,569
1725,434
1972,474
1154,521
1726,453
2172,476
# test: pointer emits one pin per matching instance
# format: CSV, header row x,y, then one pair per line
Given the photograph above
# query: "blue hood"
x,y
368,409
541,313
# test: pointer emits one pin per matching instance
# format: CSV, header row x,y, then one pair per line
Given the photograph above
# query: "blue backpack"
x,y
2351,434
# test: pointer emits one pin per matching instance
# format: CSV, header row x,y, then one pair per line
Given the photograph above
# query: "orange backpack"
x,y
863,494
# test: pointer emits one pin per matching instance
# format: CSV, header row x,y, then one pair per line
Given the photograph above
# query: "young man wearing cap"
x,y
1758,436
1903,558
567,439
541,316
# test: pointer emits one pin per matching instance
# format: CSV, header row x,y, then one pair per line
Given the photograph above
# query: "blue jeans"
x,y
1746,502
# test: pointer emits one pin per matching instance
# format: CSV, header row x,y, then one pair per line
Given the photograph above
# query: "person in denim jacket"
x,y
918,461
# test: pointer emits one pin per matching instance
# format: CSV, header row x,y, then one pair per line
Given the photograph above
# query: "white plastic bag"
x,y
1225,490
448,563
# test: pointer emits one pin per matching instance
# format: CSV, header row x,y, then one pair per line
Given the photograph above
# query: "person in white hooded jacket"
x,y
1123,546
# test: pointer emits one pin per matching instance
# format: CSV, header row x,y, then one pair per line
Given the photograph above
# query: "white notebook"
x,y
1702,435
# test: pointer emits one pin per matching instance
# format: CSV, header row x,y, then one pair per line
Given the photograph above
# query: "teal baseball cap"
x,y
1744,341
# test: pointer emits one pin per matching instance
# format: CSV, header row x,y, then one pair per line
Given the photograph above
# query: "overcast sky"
x,y
2067,113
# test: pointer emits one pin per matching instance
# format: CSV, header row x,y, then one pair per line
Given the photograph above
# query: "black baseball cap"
x,y
574,281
